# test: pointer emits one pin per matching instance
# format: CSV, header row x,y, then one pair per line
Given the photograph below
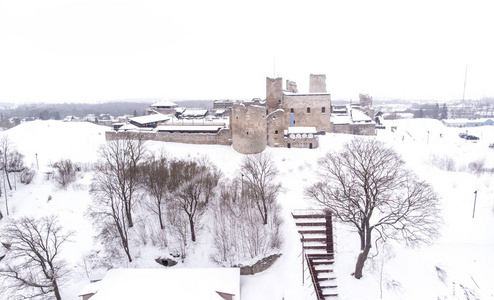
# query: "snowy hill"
x,y
463,255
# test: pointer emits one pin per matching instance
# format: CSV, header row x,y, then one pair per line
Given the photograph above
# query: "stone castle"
x,y
286,118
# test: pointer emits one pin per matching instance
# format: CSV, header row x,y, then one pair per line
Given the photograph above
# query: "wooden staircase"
x,y
316,229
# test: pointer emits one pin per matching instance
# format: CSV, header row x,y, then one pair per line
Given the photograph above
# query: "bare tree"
x,y
193,186
65,172
5,150
238,230
260,187
109,211
33,266
123,158
155,176
367,185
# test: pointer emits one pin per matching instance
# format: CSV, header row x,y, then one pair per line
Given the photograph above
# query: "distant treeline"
x,y
46,111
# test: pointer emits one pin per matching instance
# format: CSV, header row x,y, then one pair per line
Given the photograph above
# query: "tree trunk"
x,y
56,290
364,253
129,216
362,257
160,217
192,230
8,179
265,217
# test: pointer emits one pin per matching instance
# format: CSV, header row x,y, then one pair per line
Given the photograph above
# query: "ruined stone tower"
x,y
317,83
274,93
248,127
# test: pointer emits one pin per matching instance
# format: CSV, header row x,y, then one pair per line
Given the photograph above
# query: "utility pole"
x,y
474,203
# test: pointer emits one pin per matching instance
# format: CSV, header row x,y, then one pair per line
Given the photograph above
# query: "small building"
x,y
169,283
222,104
301,137
163,107
149,121
351,121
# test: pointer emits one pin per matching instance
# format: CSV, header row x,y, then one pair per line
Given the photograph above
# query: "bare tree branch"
x,y
367,185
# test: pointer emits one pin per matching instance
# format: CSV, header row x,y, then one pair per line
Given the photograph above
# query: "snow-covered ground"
x,y
464,253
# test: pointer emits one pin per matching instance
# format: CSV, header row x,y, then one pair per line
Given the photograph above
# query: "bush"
x,y
27,175
444,163
478,166
239,232
65,172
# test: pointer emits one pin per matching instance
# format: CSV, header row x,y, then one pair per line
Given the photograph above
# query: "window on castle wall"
x,y
323,109
291,110
276,132
308,110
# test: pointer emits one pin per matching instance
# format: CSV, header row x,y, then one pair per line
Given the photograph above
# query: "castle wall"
x,y
317,83
299,103
223,137
248,126
274,93
276,126
355,129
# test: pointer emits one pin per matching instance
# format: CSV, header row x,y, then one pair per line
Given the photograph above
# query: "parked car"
x,y
471,137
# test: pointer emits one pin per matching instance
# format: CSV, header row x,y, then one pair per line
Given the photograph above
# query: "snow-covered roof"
x,y
191,128
301,129
128,127
164,104
194,112
150,118
219,111
169,283
340,119
360,116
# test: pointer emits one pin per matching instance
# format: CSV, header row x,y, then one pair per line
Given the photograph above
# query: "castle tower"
x,y
317,83
274,90
248,126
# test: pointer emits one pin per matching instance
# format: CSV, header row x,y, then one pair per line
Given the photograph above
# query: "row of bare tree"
x,y
178,191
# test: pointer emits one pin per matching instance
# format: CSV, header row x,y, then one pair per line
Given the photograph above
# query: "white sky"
x,y
102,50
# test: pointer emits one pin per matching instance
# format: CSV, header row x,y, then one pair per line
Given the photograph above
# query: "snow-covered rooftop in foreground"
x,y
166,283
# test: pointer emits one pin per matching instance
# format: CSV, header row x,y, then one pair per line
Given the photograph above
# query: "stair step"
x,y
328,286
313,216
326,278
313,240
315,247
318,263
323,271
312,231
320,256
311,224
330,295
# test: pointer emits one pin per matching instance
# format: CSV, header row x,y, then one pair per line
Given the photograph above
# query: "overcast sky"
x,y
102,50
